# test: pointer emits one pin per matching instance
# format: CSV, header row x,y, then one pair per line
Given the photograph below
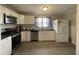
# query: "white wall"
x,y
0,37
8,25
77,31
71,16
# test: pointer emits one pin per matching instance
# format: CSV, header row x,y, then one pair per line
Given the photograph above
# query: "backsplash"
x,y
26,26
7,25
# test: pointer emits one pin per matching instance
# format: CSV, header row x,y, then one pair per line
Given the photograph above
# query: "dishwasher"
x,y
34,36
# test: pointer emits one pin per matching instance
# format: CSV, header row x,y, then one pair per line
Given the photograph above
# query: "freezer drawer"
x,y
62,38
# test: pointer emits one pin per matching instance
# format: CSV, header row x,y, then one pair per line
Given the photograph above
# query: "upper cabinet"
x,y
46,36
29,19
23,19
20,19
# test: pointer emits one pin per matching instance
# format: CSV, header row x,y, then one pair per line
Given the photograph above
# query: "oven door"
x,y
16,39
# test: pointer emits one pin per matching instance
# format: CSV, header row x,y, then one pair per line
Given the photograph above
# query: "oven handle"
x,y
15,35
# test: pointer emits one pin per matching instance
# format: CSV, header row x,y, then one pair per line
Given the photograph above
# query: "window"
x,y
44,22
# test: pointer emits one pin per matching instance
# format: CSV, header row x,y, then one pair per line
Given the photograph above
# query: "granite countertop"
x,y
38,30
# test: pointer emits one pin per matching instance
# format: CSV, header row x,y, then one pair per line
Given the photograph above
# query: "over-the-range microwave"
x,y
9,19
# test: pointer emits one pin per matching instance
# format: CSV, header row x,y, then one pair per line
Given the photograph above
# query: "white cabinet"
x,y
29,19
52,35
26,19
43,36
25,36
20,19
6,46
28,35
40,36
46,36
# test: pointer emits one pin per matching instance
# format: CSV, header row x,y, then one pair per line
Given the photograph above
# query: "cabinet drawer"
x,y
62,38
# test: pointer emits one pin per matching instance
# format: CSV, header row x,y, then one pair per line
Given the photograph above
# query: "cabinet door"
x,y
20,19
40,35
31,19
23,36
6,46
26,19
28,36
52,35
46,36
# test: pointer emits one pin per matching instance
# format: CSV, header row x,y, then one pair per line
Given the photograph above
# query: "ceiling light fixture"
x,y
45,8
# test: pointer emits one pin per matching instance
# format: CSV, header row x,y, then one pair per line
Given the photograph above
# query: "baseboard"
x,y
41,41
47,41
73,44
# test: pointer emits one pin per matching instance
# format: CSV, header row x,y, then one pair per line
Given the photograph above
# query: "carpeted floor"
x,y
45,48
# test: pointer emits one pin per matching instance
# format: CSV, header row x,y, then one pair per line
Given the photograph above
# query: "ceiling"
x,y
53,9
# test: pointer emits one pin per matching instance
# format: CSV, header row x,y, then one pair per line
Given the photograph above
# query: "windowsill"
x,y
44,29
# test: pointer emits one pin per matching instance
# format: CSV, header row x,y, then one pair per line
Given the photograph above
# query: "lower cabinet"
x,y
46,35
6,46
52,35
25,36
42,36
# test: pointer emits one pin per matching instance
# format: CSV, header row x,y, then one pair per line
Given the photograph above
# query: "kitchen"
x,y
17,28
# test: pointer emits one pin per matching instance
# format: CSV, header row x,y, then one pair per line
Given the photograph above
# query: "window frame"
x,y
50,22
